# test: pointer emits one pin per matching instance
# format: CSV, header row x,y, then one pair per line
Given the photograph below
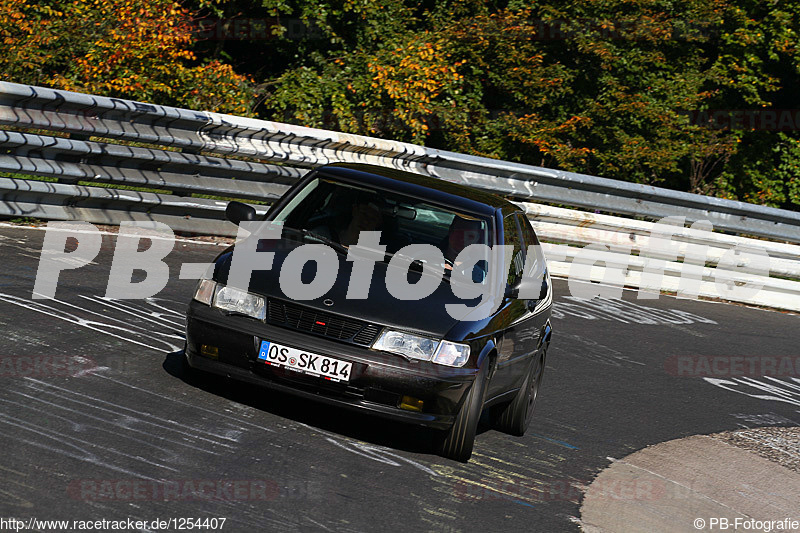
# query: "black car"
x,y
414,324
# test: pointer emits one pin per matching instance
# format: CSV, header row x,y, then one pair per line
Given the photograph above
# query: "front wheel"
x,y
516,416
458,441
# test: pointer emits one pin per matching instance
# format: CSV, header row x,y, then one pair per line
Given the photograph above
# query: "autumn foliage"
x,y
650,91
134,49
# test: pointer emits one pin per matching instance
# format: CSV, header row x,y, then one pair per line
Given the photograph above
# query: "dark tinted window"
x,y
534,257
512,238
338,211
528,235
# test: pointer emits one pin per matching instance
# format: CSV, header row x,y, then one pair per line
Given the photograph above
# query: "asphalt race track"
x,y
98,421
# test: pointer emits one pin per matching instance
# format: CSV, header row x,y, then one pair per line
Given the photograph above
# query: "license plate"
x,y
305,362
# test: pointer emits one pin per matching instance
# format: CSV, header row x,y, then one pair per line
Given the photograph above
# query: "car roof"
x,y
437,190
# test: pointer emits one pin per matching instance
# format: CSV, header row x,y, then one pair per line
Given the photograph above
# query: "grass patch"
x,y
231,199
27,221
27,177
123,187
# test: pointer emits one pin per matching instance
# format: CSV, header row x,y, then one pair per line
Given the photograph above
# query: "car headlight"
x,y
422,348
204,292
238,301
412,346
451,354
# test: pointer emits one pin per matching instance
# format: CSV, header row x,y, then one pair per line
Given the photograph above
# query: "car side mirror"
x,y
543,291
238,212
512,291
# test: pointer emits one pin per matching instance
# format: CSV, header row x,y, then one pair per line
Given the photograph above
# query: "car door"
x,y
521,327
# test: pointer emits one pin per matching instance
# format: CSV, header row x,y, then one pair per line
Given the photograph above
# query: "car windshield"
x,y
339,212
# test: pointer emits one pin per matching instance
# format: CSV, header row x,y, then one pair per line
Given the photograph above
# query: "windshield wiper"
x,y
415,265
308,234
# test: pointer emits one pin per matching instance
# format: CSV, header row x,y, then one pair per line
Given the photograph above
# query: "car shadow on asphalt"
x,y
340,421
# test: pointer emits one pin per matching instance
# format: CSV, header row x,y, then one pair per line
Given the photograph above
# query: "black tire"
x,y
457,442
516,416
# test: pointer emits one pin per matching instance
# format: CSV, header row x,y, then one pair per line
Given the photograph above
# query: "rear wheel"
x,y
458,441
516,416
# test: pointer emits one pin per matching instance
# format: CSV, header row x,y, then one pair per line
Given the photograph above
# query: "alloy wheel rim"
x,y
533,390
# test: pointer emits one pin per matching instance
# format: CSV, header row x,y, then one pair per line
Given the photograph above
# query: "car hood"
x,y
428,316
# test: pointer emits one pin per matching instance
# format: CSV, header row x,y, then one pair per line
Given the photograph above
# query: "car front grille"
x,y
310,320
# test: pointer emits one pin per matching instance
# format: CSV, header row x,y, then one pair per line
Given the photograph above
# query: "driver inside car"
x,y
464,232
365,215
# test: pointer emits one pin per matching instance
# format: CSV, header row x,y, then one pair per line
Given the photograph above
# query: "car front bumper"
x,y
378,380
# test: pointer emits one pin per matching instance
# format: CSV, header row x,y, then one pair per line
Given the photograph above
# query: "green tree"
x,y
626,89
127,48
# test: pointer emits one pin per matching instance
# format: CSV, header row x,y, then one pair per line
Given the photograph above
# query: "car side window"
x,y
534,257
528,235
512,238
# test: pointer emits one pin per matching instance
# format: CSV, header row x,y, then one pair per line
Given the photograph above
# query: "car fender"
x,y
488,352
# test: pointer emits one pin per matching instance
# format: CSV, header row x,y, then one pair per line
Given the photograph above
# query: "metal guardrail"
x,y
628,248
72,137
194,131
73,160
